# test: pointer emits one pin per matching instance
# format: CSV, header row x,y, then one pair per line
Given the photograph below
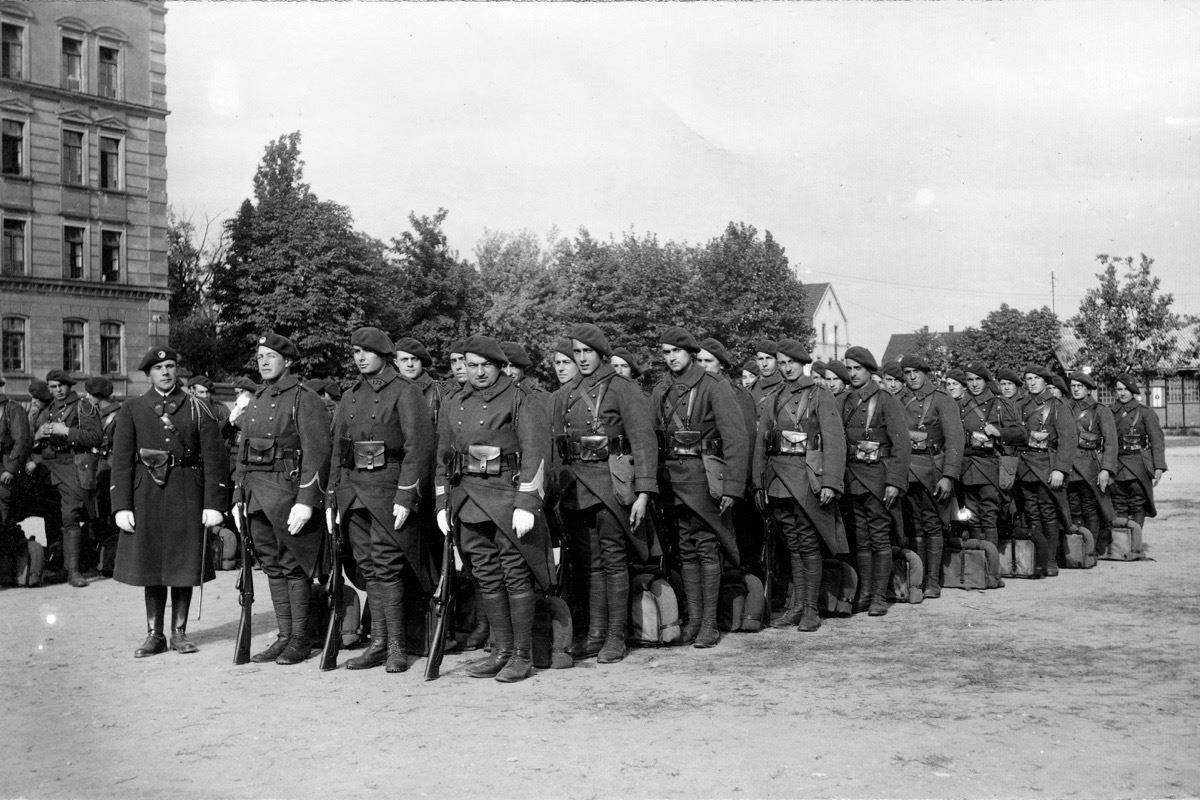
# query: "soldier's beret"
x,y
98,387
793,350
156,355
487,347
766,346
892,369
1128,381
715,347
202,380
373,339
819,367
183,373
414,348
1084,378
59,376
914,361
1009,375
516,355
563,345
629,358
333,388
280,344
457,347
40,391
244,384
979,371
315,384
1040,371
676,336
861,355
592,336
839,369
958,376
1059,383
751,366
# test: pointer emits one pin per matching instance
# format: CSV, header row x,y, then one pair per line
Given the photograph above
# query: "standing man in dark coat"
x,y
493,454
66,436
768,372
990,424
704,464
413,362
936,435
283,469
384,434
169,483
1095,461
604,437
877,455
99,392
15,445
1141,454
799,463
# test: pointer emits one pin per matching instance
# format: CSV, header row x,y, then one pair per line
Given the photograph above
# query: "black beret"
x,y
893,370
592,336
819,366
793,350
457,347
563,345
766,346
201,380
39,391
1129,382
373,339
1041,372
244,384
280,344
156,355
487,347
862,356
676,336
1058,383
979,370
98,387
1084,378
839,369
957,375
59,376
414,348
751,366
1009,375
629,358
715,347
183,373
914,361
516,355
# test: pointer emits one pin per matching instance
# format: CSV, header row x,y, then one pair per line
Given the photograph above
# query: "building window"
x,y
110,72
12,253
12,345
73,259
73,345
835,334
110,256
110,162
111,359
12,56
72,157
823,339
13,146
72,63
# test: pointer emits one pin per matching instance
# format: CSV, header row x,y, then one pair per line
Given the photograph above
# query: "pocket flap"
x,y
686,438
260,450
483,452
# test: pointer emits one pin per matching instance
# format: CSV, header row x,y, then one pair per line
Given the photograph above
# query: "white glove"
x,y
125,521
399,514
443,521
299,515
211,518
522,522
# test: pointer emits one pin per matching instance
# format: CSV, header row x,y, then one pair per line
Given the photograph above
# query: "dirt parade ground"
x,y
1083,686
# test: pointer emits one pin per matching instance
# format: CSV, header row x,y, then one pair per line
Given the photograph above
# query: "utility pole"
x,y
1053,307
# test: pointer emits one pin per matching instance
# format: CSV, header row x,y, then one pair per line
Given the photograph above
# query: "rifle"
x,y
768,556
441,605
245,581
336,591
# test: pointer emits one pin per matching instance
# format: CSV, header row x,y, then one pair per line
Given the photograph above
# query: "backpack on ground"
x,y
741,603
1127,542
907,576
227,551
1079,548
970,564
552,633
653,612
839,584
1017,558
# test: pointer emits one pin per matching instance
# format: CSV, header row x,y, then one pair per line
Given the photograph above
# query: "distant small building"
x,y
828,321
901,344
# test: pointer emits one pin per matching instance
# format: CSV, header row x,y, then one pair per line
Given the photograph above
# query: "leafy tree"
x,y
191,257
1008,337
1127,326
933,347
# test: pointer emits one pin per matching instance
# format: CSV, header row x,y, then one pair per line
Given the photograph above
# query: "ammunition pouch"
x,y
157,463
263,454
1090,441
980,444
787,443
485,460
589,447
869,452
919,441
368,455
1038,441
692,444
593,447
1133,442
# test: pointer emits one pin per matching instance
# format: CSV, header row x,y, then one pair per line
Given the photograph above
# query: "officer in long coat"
x,y
604,439
991,424
1141,454
799,465
704,467
768,372
936,435
384,438
877,456
493,454
15,445
1095,461
282,475
170,476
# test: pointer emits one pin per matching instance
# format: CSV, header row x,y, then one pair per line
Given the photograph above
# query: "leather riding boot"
x,y
479,634
376,652
299,601
866,566
690,573
520,665
791,615
933,566
589,644
617,589
393,615
881,573
1052,542
156,612
917,545
499,620
181,603
810,619
283,618
72,544
710,580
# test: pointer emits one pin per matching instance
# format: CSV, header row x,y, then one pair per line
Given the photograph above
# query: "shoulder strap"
x,y
871,411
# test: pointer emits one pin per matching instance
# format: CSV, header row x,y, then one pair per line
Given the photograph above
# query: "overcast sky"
x,y
930,160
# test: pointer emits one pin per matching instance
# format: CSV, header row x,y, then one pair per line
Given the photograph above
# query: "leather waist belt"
x,y
927,448
583,447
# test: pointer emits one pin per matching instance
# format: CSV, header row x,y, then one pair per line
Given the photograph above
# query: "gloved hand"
x,y
1056,479
297,517
443,522
211,518
399,514
522,522
125,521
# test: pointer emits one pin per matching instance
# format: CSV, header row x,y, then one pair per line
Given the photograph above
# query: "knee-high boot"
x,y
881,573
933,566
156,612
865,563
710,580
480,633
1052,541
791,614
690,573
299,601
589,644
181,603
281,601
499,618
520,664
393,614
72,546
810,619
376,653
617,590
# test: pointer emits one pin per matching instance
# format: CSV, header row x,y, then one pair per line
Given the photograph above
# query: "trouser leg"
x,y
281,601
299,601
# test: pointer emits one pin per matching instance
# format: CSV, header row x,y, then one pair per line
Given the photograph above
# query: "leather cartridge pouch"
x,y
1090,441
1132,441
919,440
792,442
981,441
867,452
482,459
714,472
1038,440
259,450
85,469
620,467
593,447
685,443
157,463
370,455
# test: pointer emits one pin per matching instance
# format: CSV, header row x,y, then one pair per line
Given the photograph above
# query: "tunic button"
x,y
376,399
480,422
167,439
485,405
272,405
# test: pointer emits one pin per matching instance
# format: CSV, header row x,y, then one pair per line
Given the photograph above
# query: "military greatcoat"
x,y
1139,463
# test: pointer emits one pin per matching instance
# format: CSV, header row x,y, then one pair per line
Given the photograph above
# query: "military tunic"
x,y
936,437
1096,452
71,459
874,421
981,456
1050,444
16,442
1141,452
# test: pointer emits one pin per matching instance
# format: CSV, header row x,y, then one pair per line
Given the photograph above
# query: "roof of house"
x,y
902,344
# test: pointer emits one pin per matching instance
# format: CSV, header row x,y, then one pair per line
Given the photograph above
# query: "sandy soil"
x,y
1078,687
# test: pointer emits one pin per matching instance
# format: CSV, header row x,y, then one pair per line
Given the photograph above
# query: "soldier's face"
x,y
1035,384
481,372
515,372
892,385
954,388
621,367
708,362
915,378
271,364
789,368
859,375
1008,389
833,383
565,368
748,378
408,365
58,390
458,367
1123,393
200,391
766,364
975,384
163,375
367,361
1078,390
586,358
677,358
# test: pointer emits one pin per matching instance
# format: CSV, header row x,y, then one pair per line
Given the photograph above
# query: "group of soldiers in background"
x,y
597,479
